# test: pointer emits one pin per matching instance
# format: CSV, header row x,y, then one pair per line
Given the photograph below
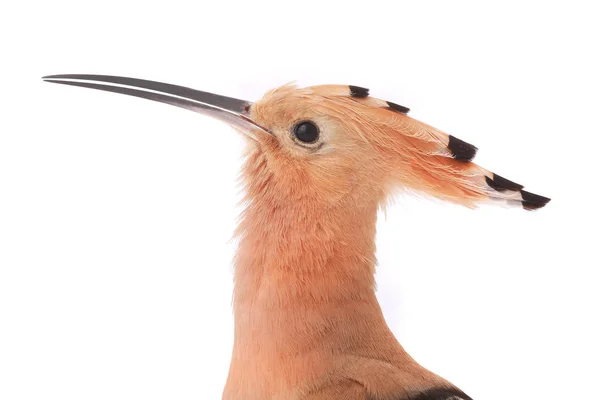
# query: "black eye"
x,y
306,132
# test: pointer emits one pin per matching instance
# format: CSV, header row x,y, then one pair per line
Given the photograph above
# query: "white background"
x,y
116,213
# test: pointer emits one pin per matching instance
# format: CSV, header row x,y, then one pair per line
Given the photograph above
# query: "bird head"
x,y
331,143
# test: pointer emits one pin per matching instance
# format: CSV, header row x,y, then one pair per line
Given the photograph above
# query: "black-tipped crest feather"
x,y
532,201
442,394
460,149
359,92
502,184
398,107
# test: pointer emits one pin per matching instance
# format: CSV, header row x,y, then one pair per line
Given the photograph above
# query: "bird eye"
x,y
306,132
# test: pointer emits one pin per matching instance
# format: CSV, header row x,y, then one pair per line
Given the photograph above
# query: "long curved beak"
x,y
232,111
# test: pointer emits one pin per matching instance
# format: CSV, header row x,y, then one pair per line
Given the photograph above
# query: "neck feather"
x,y
295,255
304,284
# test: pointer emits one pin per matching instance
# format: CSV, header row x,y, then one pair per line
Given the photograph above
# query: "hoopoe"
x,y
320,162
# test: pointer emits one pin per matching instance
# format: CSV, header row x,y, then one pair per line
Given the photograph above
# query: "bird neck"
x,y
296,249
304,285
298,255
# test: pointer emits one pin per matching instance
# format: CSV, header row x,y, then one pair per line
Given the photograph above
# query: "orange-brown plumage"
x,y
307,322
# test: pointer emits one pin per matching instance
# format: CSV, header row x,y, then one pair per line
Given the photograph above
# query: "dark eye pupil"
x,y
306,132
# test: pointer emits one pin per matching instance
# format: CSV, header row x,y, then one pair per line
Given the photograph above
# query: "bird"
x,y
319,163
